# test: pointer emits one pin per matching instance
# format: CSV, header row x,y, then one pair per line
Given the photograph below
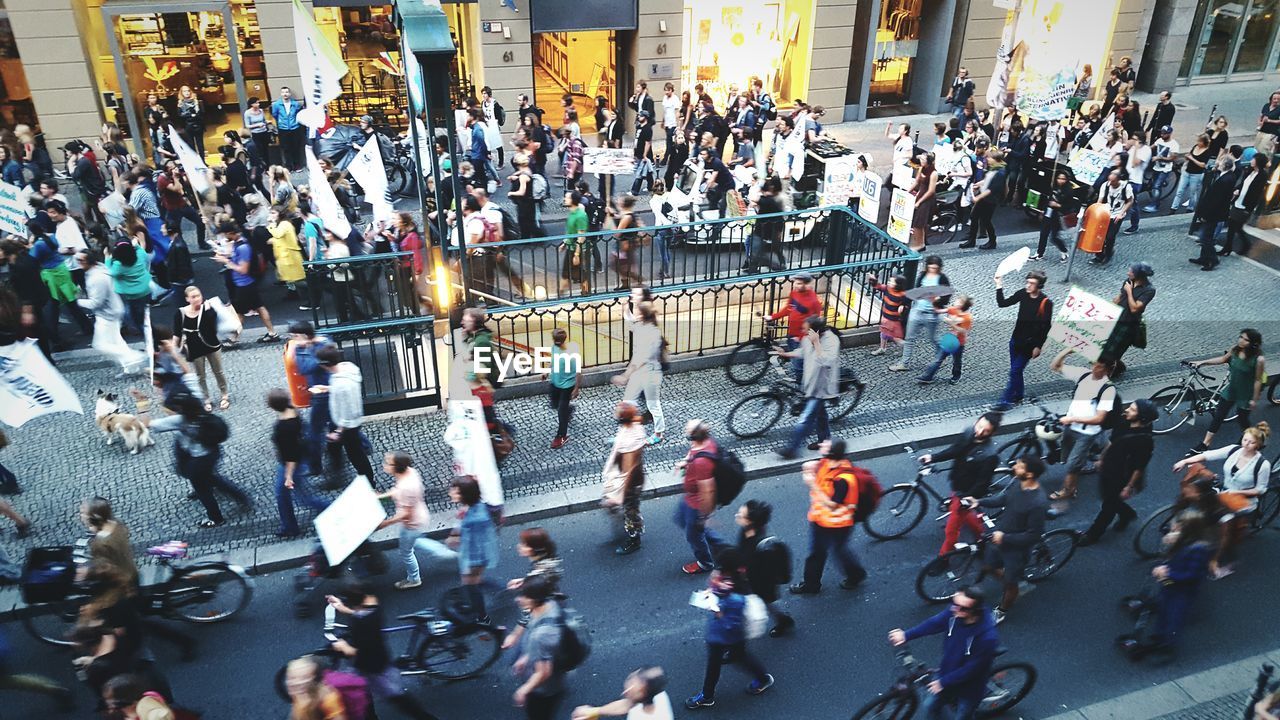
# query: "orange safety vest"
x,y
820,512
297,382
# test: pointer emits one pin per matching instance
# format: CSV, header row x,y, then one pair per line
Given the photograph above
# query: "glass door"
x,y
897,43
582,65
1231,36
180,56
1256,40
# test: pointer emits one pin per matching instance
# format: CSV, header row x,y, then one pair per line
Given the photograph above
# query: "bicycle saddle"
x,y
172,550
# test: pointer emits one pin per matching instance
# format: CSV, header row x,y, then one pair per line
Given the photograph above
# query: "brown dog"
x,y
114,423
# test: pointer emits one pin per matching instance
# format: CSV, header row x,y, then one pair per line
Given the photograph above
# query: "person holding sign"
x,y
1035,316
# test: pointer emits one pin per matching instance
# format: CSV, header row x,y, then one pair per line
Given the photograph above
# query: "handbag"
x,y
228,322
615,482
1238,215
1140,336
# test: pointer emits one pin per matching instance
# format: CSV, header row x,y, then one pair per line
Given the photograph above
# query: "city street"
x,y
636,608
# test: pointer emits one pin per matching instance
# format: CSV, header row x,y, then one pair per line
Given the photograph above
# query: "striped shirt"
x,y
892,301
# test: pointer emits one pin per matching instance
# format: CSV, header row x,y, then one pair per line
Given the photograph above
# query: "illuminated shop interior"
x,y
729,42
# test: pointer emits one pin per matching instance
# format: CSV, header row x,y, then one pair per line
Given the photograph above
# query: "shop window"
x,y
582,65
1259,31
727,43
897,42
15,95
367,37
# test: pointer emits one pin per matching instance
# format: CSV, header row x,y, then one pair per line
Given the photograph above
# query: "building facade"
x,y
72,65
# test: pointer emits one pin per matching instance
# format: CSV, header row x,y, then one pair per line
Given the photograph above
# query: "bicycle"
x,y
400,168
1041,440
200,592
944,575
439,647
902,506
1201,398
1148,542
1273,389
1007,685
756,414
749,361
944,224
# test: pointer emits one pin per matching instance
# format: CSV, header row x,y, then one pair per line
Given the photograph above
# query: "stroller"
x,y
366,561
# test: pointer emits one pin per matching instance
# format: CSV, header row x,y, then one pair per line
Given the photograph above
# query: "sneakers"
x,y
305,308
814,445
998,614
1062,257
1036,257
802,588
1130,231
1150,209
878,351
654,439
850,583
631,545
897,367
987,246
407,584
699,701
268,338
967,245
759,686
1196,449
695,568
559,442
924,380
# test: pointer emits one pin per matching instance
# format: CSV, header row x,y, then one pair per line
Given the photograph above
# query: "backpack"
x,y
1257,465
595,212
179,264
490,230
729,473
1115,416
212,430
767,107
869,493
353,690
575,641
539,187
499,113
777,557
510,227
755,616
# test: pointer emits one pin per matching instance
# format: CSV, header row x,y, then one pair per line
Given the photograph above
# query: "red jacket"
x,y
800,305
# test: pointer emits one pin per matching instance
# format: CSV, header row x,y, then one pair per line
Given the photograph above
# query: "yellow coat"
x,y
284,244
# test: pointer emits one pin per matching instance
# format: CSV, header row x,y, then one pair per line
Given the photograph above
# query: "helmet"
x,y
1048,429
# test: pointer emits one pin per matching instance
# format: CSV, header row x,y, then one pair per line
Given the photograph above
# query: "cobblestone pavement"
x,y
1228,707
62,459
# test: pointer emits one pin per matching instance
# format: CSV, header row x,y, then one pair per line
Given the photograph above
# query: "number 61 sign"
x,y
1084,322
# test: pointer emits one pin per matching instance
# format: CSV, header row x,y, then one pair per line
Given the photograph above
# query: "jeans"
x,y
981,223
1051,230
737,653
812,420
1109,244
647,381
702,540
352,442
175,218
935,706
292,144
1157,185
1135,212
1076,447
203,474
1220,413
825,540
1175,603
136,312
562,401
956,357
317,430
411,540
300,492
919,321
9,570
663,239
1188,190
1019,357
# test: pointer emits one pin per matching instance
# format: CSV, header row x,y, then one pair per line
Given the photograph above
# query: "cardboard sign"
x,y
838,180
468,436
13,219
901,208
349,520
1084,322
869,204
609,161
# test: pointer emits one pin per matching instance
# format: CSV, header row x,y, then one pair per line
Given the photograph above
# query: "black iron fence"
x,y
669,257
397,360
361,289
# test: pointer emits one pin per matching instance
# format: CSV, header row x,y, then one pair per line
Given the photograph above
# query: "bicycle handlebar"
x,y
1197,371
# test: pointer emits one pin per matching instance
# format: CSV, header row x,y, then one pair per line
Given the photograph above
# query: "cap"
x,y
807,277
366,119
1165,129
1146,411
1142,269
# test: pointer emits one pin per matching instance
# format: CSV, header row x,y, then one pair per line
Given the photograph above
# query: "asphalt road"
x,y
636,608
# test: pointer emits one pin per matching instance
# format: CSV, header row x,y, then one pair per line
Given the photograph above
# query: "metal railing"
x,y
364,288
669,257
397,361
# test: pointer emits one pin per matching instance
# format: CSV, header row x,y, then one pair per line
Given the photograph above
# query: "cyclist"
x,y
802,303
968,651
1018,528
974,462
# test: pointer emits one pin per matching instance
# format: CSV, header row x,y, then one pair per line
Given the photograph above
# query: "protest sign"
x,y
1084,322
901,209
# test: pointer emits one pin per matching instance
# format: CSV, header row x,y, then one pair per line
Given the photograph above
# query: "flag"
x,y
30,386
367,169
319,64
324,201
388,64
197,171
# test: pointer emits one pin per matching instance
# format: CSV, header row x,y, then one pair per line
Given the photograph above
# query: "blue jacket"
x,y
479,147
305,357
968,651
478,540
727,627
286,119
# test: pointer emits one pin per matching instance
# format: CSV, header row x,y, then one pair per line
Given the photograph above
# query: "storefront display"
x,y
897,42
1231,36
15,94
581,64
727,43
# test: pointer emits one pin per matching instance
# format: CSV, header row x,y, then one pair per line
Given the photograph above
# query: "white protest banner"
x,y
191,162
869,204
472,445
609,161
349,520
13,218
319,64
838,180
1044,96
324,201
30,386
1084,322
901,208
1099,140
367,168
1088,164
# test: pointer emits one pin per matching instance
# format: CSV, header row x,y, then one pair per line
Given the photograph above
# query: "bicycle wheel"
x,y
1007,685
944,575
1052,552
208,593
52,623
901,509
898,705
397,179
466,652
1148,542
754,415
1172,409
1273,392
1018,447
748,362
1268,506
943,228
851,389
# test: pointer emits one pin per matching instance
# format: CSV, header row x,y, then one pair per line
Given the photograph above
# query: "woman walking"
x,y
922,319
476,540
192,113
197,324
644,374
539,549
287,252
726,635
1246,374
291,469
926,192
1192,179
411,515
624,474
521,193
131,279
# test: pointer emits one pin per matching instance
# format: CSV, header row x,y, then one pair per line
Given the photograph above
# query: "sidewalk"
x,y
1220,693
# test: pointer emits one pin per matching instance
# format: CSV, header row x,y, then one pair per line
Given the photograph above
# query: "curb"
x,y
1175,695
